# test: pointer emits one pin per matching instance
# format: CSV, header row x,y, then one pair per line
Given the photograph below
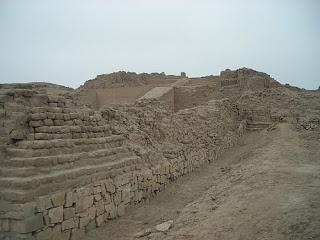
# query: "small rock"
x,y
143,233
163,227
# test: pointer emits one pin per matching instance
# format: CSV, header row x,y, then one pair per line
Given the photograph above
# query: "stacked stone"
x,y
62,123
68,214
76,175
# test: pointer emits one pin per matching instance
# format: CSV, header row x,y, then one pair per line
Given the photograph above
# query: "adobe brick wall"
x,y
74,168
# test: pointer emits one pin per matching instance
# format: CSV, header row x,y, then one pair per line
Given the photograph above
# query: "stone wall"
x,y
194,95
73,169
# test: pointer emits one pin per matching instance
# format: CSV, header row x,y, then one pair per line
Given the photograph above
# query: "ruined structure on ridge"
x,y
73,159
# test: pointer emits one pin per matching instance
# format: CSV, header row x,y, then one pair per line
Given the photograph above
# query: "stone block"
x,y
97,189
111,211
41,136
84,203
68,213
68,224
110,187
97,197
117,198
84,222
121,180
38,116
27,225
100,220
99,207
71,198
43,203
58,199
53,104
56,215
92,212
125,195
121,209
48,122
36,123
58,122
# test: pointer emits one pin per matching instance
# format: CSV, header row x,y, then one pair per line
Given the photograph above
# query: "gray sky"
x,y
70,41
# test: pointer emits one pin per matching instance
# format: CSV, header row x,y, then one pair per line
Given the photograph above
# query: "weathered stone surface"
x,y
121,209
70,199
43,203
111,211
68,224
48,122
77,234
27,225
68,213
110,187
58,199
92,212
84,222
84,203
100,220
56,215
163,227
100,207
143,233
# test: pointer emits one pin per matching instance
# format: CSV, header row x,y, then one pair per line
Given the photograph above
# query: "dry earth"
x,y
268,187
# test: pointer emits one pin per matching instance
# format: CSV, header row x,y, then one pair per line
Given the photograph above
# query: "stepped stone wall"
x,y
73,168
66,168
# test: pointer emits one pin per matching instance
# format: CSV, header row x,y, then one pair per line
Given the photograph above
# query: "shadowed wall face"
x,y
68,42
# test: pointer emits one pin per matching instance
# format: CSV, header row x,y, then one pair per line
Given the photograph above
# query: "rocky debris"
x,y
165,226
157,231
144,233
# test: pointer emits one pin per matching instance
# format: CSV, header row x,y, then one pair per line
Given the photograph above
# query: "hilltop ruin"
x,y
71,160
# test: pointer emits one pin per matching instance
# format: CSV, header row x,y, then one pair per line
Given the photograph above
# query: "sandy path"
x,y
267,188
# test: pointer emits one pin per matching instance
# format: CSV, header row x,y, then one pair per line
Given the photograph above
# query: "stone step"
x,y
23,196
47,169
59,143
257,125
62,158
70,146
255,129
63,176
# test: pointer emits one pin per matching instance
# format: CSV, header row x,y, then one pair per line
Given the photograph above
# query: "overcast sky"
x,y
70,41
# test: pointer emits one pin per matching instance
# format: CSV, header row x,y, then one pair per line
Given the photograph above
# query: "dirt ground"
x,y
268,187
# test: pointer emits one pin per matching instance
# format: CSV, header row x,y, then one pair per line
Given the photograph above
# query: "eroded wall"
x,y
75,168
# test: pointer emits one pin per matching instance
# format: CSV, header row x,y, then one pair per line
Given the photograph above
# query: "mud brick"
x,y
48,122
41,136
38,116
58,122
38,123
